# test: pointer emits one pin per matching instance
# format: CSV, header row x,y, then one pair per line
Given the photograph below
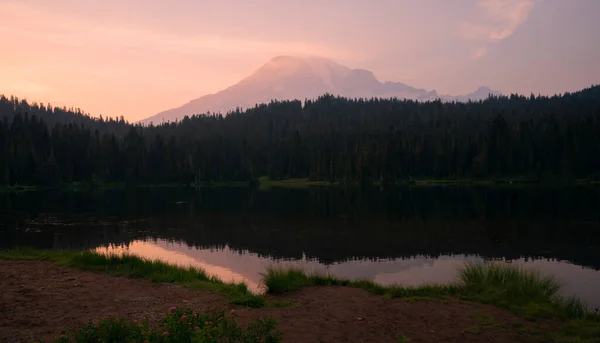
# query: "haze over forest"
x,y
391,142
333,120
296,78
137,59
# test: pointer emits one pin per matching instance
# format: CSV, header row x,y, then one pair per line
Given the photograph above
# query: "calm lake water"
x,y
403,235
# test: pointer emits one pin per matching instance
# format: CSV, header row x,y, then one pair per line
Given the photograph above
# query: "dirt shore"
x,y
38,300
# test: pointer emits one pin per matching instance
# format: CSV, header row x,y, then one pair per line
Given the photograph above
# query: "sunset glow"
x,y
137,58
155,251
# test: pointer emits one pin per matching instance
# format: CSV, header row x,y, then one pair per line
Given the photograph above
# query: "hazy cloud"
x,y
139,57
479,53
57,28
498,19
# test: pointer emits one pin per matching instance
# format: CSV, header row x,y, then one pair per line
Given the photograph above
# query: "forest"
x,y
334,139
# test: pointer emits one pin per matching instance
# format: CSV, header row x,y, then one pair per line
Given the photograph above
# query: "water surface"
x,y
410,236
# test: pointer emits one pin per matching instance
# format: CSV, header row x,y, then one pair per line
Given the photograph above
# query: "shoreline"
x,y
525,295
265,183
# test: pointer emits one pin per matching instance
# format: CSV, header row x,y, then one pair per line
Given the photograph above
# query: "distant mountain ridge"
x,y
289,78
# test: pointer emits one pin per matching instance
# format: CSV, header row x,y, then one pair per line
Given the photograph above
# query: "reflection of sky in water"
x,y
230,265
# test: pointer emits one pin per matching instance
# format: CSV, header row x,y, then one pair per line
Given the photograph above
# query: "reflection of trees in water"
x,y
331,225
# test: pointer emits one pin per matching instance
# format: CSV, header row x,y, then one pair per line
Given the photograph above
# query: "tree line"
x,y
331,138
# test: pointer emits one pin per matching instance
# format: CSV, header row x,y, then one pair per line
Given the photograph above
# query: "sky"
x,y
139,57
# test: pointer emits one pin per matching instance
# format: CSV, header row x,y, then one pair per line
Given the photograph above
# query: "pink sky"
x,y
139,57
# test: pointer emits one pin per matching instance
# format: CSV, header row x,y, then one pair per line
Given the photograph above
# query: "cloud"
x,y
479,53
498,19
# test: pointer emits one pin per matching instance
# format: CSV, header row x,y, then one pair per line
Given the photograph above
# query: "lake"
x,y
400,235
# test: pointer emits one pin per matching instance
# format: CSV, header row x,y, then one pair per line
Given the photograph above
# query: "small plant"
x,y
403,339
514,284
281,280
521,290
178,326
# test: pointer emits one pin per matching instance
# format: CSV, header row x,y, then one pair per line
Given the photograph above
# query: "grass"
x,y
18,188
136,267
73,186
281,280
520,290
266,183
523,292
178,326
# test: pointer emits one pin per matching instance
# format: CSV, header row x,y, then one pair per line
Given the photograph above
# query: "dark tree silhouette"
x,y
330,138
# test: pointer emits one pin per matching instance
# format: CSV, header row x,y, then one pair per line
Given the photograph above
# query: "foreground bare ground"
x,y
38,300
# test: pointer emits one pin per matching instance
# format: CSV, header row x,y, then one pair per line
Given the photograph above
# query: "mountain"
x,y
288,78
481,93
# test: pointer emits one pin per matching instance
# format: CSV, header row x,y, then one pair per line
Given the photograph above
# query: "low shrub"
x,y
180,325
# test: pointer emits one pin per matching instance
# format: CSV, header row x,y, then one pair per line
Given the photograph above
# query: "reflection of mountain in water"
x,y
330,225
251,264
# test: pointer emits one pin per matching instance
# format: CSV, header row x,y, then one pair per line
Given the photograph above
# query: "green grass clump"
x,y
136,267
523,291
178,326
533,296
278,280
